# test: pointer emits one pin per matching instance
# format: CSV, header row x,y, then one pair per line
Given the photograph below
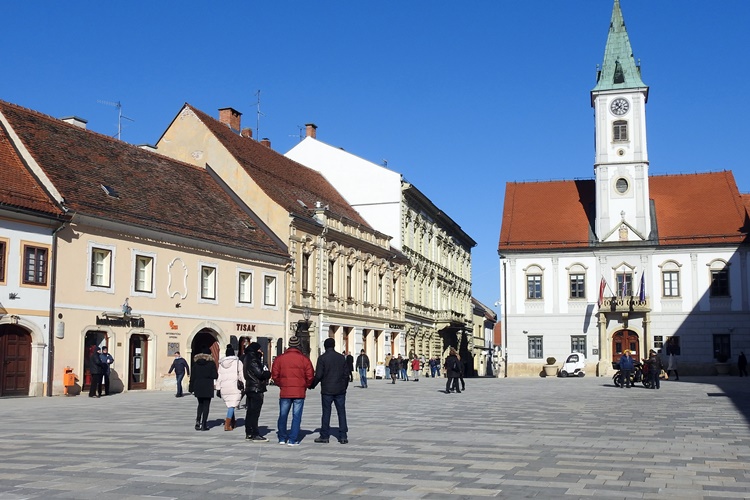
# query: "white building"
x,y
625,260
437,301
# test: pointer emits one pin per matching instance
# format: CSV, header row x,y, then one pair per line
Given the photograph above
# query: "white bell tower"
x,y
623,207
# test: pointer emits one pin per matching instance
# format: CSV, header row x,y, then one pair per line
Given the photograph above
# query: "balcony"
x,y
625,304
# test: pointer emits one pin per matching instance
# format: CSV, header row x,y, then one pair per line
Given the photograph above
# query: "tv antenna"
x,y
120,116
258,115
300,133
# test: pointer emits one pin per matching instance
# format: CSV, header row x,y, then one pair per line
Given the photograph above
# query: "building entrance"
x,y
205,339
15,361
625,339
138,362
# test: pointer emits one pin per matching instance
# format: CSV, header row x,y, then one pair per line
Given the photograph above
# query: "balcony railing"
x,y
625,304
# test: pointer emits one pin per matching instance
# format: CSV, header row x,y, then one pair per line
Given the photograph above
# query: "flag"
x,y
602,286
642,290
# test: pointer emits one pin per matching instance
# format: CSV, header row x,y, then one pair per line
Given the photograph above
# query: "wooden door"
x,y
138,362
15,361
625,339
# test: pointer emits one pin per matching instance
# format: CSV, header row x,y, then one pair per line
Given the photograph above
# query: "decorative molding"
x,y
174,279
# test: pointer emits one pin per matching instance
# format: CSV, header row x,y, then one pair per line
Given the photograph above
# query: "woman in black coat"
x,y
452,371
202,379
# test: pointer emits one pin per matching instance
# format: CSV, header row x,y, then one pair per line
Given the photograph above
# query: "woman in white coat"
x,y
229,385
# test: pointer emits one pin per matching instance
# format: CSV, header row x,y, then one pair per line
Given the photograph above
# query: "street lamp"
x,y
303,331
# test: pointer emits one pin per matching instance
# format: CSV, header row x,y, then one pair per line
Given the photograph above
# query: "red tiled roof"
x,y
18,188
285,181
152,191
559,214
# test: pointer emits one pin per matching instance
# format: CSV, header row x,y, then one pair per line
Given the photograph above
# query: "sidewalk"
x,y
504,438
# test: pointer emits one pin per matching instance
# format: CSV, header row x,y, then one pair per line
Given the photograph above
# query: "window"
x,y
208,282
34,265
331,265
365,286
578,344
269,290
719,279
722,347
381,278
349,281
624,284
3,259
245,287
305,272
101,267
577,286
144,273
534,286
620,131
670,281
535,348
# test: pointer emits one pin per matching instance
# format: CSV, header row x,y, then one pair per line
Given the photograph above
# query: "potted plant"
x,y
550,370
721,364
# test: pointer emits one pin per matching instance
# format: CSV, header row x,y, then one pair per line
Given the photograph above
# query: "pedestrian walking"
x,y
392,367
438,364
350,365
107,360
230,384
433,367
388,359
363,366
402,364
256,381
202,386
415,365
330,373
655,367
626,369
179,366
96,369
672,367
293,373
742,364
461,370
452,371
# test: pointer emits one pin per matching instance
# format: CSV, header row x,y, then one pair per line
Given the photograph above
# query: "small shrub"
x,y
551,360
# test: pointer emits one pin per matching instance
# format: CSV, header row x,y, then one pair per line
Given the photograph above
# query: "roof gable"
x,y
284,180
102,177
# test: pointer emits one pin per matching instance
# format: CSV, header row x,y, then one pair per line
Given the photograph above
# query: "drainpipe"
x,y
505,316
51,326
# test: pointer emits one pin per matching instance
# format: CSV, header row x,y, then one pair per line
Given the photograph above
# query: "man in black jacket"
x,y
363,366
179,366
96,369
331,373
256,380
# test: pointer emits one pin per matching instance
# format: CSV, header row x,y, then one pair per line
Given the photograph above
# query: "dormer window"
x,y
620,131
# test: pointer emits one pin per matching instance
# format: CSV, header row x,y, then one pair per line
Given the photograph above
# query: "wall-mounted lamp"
x,y
526,332
13,296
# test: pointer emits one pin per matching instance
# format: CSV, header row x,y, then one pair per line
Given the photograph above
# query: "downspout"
x,y
505,317
51,326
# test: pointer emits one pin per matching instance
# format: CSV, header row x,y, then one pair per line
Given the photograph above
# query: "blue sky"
x,y
460,97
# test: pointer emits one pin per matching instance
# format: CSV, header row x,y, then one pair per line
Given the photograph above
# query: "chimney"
x,y
311,130
74,120
247,132
231,117
266,142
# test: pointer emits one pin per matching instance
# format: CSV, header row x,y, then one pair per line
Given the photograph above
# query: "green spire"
x,y
618,70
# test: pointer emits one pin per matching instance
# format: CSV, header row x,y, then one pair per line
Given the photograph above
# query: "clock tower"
x,y
623,207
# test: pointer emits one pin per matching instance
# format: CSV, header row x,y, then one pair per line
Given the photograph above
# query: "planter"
x,y
722,368
550,370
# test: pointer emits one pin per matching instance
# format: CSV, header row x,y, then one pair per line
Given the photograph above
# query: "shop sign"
x,y
395,326
122,321
245,327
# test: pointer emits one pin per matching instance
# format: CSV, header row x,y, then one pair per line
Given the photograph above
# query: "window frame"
x,y
670,283
241,286
94,246
534,287
275,281
44,283
203,297
105,273
578,339
627,277
349,274
305,270
135,256
366,286
4,245
722,343
535,342
579,284
719,277
620,128
331,277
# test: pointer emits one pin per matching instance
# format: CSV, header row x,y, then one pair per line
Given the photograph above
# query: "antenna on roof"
x,y
120,116
259,114
301,131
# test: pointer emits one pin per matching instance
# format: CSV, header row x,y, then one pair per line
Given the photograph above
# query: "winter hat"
x,y
229,351
329,343
253,347
294,342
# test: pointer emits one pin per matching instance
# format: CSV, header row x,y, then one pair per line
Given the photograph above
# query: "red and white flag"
x,y
602,286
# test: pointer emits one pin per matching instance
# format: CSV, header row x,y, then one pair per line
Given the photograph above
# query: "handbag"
x,y
240,384
663,375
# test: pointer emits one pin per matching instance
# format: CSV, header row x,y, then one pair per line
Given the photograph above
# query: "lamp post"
x,y
303,331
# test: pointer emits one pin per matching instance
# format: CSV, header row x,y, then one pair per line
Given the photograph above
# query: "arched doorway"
x,y
15,361
205,339
625,339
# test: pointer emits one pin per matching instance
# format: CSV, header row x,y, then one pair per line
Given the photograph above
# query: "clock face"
x,y
619,106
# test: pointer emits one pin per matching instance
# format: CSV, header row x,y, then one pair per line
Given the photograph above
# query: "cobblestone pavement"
x,y
507,438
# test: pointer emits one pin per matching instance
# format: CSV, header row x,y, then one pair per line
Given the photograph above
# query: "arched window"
x,y
534,282
719,278
620,131
577,278
670,279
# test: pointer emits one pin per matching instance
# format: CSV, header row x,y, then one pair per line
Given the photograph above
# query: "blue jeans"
x,y
362,377
404,375
325,422
297,406
387,373
180,376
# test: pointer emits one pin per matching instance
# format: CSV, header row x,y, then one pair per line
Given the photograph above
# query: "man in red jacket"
x,y
293,373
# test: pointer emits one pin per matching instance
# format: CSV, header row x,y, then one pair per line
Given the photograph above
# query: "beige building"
x,y
346,281
156,256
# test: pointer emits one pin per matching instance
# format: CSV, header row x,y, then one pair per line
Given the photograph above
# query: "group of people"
x,y
100,365
292,372
654,369
454,370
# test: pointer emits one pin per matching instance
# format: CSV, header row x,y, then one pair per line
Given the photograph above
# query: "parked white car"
x,y
574,365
